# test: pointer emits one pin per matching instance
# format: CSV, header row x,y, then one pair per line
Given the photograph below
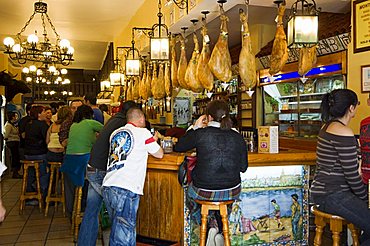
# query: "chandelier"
x,y
35,50
303,24
47,81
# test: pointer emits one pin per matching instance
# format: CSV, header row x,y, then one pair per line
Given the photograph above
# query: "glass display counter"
x,y
295,106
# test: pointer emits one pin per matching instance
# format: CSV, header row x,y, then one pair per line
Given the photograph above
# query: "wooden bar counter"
x,y
162,205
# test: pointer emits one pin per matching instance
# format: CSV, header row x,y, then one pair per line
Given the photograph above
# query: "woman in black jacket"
x,y
221,156
36,148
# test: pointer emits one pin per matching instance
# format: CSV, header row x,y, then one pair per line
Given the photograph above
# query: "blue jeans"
x,y
90,221
44,175
350,207
122,207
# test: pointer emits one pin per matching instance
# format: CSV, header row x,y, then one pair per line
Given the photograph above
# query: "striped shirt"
x,y
337,165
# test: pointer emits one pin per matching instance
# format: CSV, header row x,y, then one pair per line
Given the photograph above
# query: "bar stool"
x,y
336,226
212,205
76,214
54,196
30,195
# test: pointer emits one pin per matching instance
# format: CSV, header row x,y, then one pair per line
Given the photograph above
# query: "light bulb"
x,y
52,92
32,39
64,71
46,92
25,70
70,93
52,69
47,53
33,68
39,72
28,79
64,43
8,41
70,50
17,48
64,92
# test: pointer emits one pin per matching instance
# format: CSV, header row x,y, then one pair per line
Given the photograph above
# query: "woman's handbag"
x,y
185,169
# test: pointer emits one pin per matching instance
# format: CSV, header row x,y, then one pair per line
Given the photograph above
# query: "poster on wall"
x,y
361,25
182,113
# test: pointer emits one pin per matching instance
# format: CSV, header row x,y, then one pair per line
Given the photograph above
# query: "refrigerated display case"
x,y
295,106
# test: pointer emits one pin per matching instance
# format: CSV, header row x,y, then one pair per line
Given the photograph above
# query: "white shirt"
x,y
128,156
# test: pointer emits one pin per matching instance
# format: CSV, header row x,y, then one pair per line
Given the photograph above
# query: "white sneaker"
x,y
211,236
219,240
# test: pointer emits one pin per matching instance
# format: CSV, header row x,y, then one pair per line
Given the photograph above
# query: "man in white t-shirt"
x,y
126,170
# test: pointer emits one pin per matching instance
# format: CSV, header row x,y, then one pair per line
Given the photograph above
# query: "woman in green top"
x,y
82,136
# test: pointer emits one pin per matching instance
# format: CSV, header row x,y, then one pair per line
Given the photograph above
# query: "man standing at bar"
x,y
126,171
91,101
95,174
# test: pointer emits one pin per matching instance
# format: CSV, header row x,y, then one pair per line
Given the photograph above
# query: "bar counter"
x,y
161,210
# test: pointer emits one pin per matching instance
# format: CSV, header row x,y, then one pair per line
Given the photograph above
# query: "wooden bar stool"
x,y
30,195
211,205
54,196
336,226
76,214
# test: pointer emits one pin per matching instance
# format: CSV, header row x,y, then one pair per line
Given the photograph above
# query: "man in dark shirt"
x,y
96,173
90,100
22,125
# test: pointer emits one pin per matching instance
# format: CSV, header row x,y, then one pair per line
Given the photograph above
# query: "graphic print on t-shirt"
x,y
121,145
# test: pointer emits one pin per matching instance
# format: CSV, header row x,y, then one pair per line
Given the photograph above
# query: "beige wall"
x,y
355,61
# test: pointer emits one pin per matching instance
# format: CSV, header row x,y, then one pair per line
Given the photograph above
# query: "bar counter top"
x,y
286,156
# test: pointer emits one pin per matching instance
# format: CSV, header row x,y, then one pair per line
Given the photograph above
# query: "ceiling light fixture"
x,y
45,77
36,50
159,45
303,24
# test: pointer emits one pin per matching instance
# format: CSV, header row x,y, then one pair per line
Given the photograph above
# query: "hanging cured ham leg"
x,y
158,89
307,59
204,74
135,88
279,54
220,61
148,82
183,63
191,71
167,80
175,82
142,87
247,61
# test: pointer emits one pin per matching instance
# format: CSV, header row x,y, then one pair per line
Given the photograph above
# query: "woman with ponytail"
x,y
337,186
221,156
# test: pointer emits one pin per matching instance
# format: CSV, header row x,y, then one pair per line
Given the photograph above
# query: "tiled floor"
x,y
32,227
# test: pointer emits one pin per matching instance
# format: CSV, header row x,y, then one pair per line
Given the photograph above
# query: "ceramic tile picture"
x,y
272,208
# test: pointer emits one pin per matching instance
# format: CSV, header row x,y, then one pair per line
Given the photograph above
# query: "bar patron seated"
x,y
274,191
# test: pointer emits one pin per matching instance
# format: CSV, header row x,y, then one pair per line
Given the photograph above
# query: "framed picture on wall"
x,y
365,78
182,113
361,28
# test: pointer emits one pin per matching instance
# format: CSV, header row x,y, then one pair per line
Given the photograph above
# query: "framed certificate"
x,y
361,26
365,78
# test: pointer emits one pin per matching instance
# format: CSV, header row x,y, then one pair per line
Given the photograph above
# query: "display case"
x,y
295,106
